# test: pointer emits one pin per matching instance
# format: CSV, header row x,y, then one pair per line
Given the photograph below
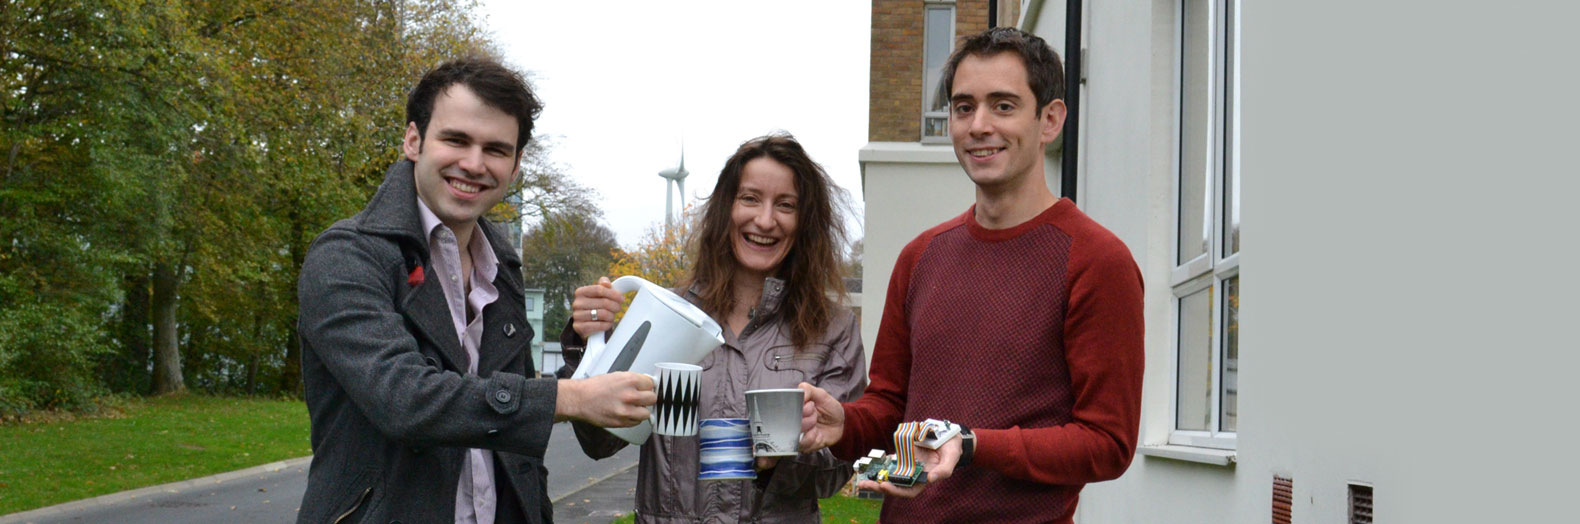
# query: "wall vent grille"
x,y
1360,504
1283,499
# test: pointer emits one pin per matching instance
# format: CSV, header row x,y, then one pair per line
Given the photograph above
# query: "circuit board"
x,y
901,468
878,467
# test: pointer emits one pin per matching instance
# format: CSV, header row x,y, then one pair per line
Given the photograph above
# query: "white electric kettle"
x,y
658,327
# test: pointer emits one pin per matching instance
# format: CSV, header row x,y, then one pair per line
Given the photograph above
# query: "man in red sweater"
x,y
1020,320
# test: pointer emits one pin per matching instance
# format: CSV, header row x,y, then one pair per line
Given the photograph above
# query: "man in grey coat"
x,y
423,404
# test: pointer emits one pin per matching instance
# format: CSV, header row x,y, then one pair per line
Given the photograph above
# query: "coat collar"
x,y
392,212
773,297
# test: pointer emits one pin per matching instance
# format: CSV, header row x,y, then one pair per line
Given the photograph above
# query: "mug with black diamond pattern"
x,y
679,387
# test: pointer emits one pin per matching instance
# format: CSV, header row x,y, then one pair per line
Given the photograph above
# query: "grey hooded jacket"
x,y
391,407
760,357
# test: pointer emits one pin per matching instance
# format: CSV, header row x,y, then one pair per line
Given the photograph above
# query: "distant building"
x,y
534,306
552,358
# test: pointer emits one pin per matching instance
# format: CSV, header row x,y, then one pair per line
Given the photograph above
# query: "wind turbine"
x,y
674,176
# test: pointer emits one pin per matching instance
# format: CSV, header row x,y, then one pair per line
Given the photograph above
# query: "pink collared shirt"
x,y
475,498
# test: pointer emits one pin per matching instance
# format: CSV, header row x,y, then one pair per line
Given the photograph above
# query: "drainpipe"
x,y
1072,98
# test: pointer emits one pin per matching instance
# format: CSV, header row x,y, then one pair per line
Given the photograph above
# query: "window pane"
x,y
1195,361
940,41
1195,132
1231,356
1231,212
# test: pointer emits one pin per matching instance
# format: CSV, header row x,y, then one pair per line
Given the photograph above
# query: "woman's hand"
x,y
593,308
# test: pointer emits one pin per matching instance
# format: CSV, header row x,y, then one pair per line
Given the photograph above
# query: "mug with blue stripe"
x,y
726,450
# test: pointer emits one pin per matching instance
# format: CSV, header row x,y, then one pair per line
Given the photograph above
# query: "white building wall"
x,y
1126,183
1372,350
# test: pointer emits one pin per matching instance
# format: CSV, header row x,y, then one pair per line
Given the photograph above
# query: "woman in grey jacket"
x,y
765,266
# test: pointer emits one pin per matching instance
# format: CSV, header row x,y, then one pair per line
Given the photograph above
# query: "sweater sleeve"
x,y
1103,344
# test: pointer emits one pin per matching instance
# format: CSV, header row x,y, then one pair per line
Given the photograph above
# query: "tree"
x,y
91,96
561,252
660,256
164,165
545,188
852,259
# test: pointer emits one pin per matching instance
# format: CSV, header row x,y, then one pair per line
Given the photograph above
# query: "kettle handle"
x,y
595,342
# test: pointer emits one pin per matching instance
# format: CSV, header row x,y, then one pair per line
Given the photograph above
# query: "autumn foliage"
x,y
660,256
164,165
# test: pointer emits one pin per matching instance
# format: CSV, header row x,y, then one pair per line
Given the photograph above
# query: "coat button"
x,y
502,396
510,330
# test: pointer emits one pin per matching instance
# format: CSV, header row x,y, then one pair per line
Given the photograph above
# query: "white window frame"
x,y
1211,269
932,90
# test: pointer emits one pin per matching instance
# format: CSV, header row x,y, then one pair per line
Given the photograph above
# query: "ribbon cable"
x,y
905,439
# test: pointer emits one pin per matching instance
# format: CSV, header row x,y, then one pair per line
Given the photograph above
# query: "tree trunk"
x,y
291,375
167,353
130,370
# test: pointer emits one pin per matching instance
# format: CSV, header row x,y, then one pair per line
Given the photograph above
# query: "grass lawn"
x,y
153,442
838,509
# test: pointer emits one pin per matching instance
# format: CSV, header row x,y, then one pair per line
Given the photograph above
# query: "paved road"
x,y
271,493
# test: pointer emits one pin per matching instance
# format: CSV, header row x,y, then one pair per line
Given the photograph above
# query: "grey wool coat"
x,y
391,406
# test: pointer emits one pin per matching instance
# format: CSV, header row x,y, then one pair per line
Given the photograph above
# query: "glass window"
x,y
1196,105
1195,361
1229,395
1206,279
939,42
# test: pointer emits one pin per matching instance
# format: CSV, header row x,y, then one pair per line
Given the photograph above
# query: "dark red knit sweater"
x,y
1032,337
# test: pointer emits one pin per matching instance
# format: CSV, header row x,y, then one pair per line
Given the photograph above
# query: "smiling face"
x,y
466,160
998,131
763,217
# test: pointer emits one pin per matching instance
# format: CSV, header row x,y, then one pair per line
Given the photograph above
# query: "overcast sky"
x,y
624,82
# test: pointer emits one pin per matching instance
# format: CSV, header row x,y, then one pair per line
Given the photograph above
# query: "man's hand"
x,y
599,301
939,465
614,400
822,419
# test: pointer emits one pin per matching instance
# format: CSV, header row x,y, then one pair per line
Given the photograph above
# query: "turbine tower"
x,y
675,176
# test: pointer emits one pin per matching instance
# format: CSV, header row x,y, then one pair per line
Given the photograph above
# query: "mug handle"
x,y
595,342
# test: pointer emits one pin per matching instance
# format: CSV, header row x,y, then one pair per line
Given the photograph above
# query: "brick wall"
x,y
894,112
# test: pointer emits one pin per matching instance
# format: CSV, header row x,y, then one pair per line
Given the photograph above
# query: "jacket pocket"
x,y
363,496
790,366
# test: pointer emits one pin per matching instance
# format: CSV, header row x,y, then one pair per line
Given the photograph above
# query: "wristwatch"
x,y
968,446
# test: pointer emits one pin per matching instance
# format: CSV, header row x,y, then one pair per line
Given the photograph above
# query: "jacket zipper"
x,y
795,357
360,499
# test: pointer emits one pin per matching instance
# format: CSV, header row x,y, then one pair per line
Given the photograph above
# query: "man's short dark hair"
x,y
1043,69
497,85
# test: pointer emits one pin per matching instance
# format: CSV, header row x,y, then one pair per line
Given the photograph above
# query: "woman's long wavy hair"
x,y
811,270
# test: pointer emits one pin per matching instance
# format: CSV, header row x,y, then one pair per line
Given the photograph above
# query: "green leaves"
x,y
214,137
563,251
